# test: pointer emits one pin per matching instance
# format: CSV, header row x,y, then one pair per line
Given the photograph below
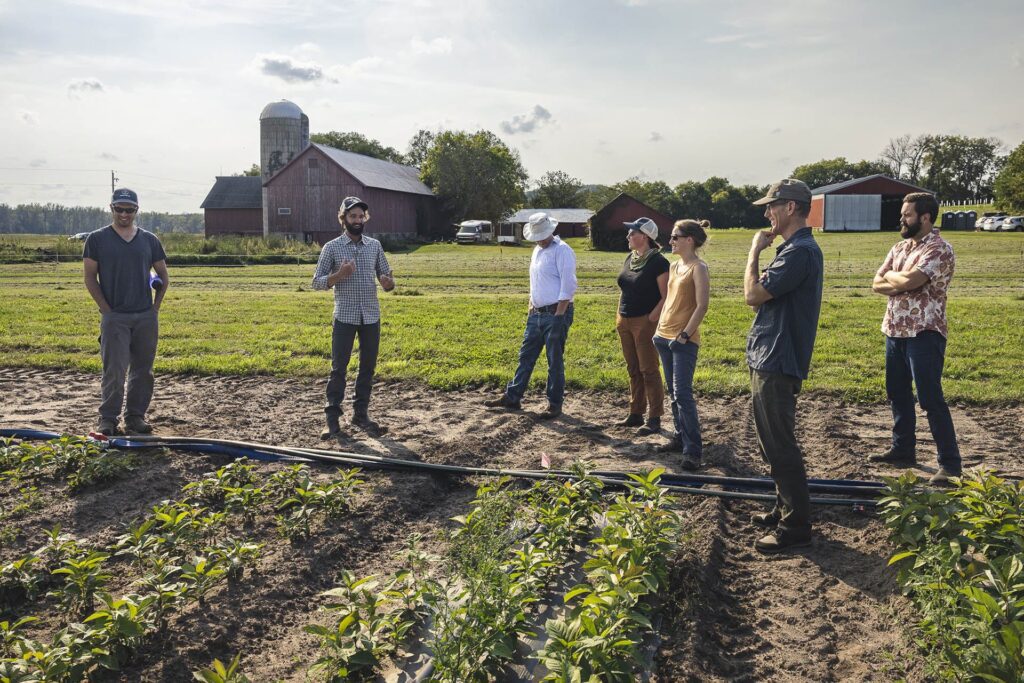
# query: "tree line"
x,y
55,219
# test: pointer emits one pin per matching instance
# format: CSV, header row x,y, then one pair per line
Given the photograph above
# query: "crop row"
x,y
183,549
502,560
961,561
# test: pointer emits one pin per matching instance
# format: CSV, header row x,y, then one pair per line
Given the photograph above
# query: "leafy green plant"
x,y
960,561
219,673
202,574
83,577
307,500
20,579
235,556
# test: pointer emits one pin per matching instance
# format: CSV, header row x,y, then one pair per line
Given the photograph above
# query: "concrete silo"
x,y
284,132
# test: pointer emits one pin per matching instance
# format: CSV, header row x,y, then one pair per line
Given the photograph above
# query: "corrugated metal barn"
x,y
303,197
234,206
860,205
606,226
571,222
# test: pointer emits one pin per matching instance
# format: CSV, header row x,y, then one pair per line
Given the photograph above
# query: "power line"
x,y
100,170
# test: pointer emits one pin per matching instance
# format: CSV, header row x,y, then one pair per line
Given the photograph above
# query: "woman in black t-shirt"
x,y
644,282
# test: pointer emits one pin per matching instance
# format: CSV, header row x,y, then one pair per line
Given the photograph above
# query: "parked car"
x,y
474,232
980,221
80,236
993,223
1012,224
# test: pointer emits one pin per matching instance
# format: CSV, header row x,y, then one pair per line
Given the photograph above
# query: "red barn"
x,y
862,204
303,197
234,206
606,226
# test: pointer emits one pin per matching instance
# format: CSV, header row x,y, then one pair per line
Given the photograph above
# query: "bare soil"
x,y
830,612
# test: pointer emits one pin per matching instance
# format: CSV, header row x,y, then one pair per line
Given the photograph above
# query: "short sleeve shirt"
x,y
910,313
640,291
355,298
782,336
124,267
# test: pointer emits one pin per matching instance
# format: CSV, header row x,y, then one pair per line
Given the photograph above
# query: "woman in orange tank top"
x,y
678,336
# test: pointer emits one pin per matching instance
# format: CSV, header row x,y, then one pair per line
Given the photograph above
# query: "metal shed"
x,y
571,223
234,206
863,204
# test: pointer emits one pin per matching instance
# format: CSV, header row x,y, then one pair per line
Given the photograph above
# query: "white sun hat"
x,y
540,227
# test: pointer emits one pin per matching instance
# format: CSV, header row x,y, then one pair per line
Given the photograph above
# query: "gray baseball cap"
x,y
124,196
351,202
789,189
644,225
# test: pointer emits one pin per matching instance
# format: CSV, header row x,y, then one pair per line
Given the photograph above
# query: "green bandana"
x,y
637,262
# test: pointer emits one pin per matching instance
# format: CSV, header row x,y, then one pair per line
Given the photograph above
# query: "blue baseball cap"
x,y
124,196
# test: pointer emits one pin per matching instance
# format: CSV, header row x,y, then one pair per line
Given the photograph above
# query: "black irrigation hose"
x,y
688,484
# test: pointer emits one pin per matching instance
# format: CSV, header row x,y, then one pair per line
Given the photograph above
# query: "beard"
x,y
908,230
354,228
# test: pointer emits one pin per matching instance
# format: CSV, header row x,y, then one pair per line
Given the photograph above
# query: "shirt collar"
x,y
798,235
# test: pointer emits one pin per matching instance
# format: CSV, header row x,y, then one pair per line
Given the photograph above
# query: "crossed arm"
x,y
895,282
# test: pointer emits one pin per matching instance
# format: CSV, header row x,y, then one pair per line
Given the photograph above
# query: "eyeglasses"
x,y
125,209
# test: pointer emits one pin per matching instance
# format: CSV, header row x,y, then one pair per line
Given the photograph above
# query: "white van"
x,y
474,232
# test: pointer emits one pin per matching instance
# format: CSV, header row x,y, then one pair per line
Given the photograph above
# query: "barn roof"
x,y
560,215
377,173
903,187
235,192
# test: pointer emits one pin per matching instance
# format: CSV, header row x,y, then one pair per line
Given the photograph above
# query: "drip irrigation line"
x,y
686,484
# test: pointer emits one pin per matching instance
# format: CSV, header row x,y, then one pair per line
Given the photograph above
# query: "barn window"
x,y
283,211
313,163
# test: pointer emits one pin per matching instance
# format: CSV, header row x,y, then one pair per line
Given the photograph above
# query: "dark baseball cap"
x,y
789,189
349,203
124,196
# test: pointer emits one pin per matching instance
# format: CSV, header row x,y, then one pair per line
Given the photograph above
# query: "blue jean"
x,y
549,331
679,362
919,360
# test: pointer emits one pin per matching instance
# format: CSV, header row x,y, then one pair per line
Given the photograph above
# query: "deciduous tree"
x,y
358,143
1009,184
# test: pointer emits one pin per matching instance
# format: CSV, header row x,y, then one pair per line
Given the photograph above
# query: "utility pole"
x,y
113,181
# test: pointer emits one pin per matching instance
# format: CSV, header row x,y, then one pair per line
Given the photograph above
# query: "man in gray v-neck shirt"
x,y
117,261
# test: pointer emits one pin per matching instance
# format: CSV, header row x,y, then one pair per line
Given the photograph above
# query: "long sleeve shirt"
x,y
355,298
552,274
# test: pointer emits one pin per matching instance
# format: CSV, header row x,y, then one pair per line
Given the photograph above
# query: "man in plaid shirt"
x,y
352,264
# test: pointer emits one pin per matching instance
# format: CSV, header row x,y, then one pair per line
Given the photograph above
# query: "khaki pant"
x,y
646,391
127,347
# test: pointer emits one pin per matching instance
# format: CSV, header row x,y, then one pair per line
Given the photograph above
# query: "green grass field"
x,y
457,315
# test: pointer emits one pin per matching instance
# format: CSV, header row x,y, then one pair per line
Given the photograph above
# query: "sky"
x,y
167,93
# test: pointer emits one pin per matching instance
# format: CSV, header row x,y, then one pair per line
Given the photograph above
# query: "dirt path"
x,y
824,614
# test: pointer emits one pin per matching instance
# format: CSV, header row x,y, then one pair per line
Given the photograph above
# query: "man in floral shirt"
x,y
915,276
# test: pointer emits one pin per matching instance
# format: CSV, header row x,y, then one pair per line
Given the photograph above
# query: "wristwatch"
x,y
685,335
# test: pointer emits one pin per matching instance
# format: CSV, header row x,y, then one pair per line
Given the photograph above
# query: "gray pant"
x,y
127,347
343,337
774,404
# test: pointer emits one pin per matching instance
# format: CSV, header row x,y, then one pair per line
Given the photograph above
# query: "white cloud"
x,y
527,123
107,156
289,70
437,46
655,137
80,87
727,38
28,117
37,163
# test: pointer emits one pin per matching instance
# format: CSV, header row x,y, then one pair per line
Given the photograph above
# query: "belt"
x,y
548,309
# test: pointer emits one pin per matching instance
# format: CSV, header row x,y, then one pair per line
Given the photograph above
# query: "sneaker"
x,y
768,520
943,477
690,463
894,457
503,402
632,420
107,427
672,446
781,541
652,426
363,421
551,412
137,425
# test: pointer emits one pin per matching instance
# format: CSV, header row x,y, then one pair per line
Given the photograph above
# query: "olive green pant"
x,y
774,405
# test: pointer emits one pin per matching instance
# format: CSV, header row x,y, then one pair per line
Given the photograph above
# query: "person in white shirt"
x,y
552,287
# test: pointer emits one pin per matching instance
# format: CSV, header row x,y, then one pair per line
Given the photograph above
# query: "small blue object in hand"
x,y
154,280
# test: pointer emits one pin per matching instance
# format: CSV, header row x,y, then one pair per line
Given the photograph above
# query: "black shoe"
x,y
137,425
782,540
363,421
652,426
108,427
632,420
551,412
503,402
768,520
894,457
690,463
943,477
331,431
672,446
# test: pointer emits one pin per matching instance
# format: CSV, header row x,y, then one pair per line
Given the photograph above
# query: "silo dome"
x,y
282,109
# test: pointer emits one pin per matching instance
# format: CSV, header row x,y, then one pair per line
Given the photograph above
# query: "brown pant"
x,y
646,391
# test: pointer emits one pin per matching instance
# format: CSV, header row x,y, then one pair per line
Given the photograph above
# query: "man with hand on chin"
x,y
915,276
117,260
353,264
787,299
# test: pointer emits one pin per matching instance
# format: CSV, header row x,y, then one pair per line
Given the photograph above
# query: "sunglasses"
x,y
674,237
125,209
